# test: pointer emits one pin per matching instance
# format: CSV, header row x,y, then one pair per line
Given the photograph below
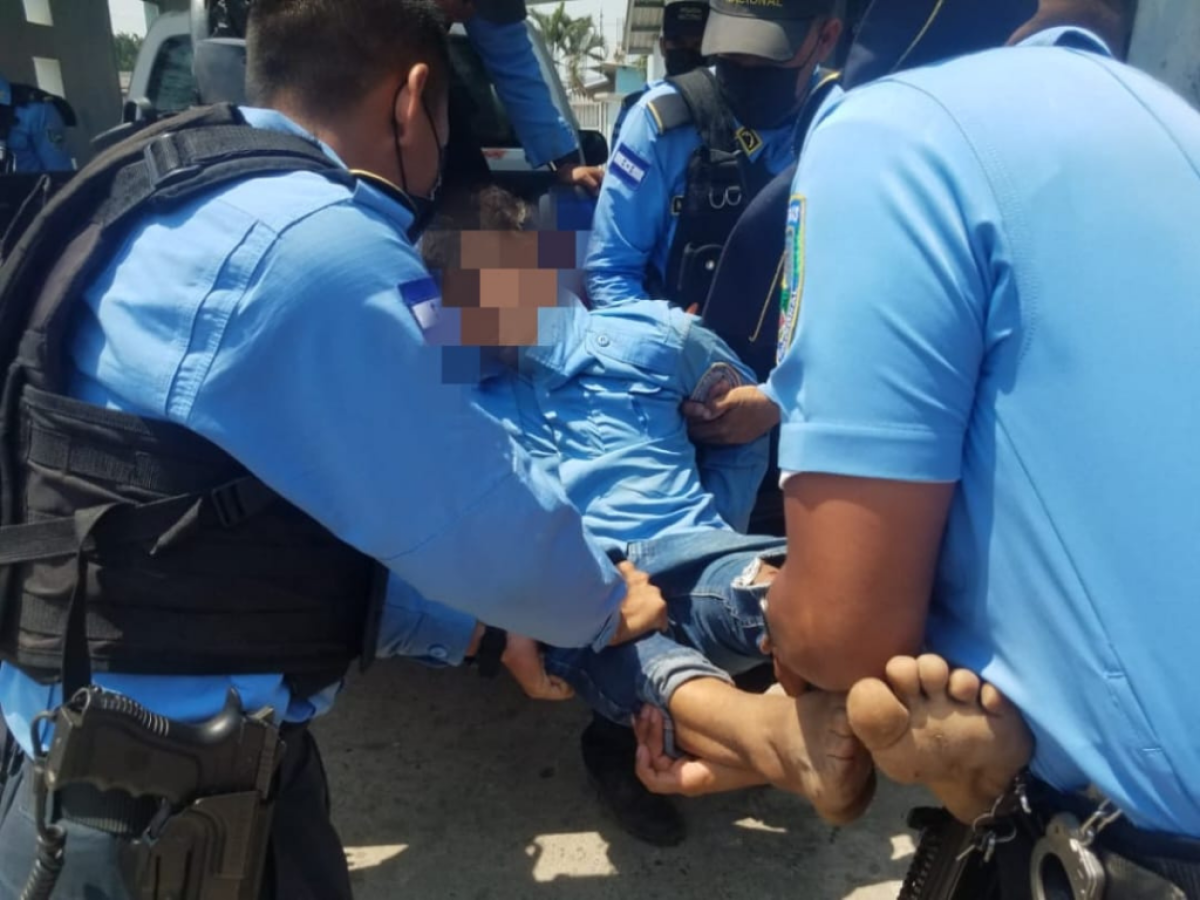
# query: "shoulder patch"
x,y
423,298
669,111
628,166
792,286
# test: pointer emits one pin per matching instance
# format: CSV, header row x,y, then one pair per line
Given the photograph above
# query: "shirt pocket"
x,y
622,414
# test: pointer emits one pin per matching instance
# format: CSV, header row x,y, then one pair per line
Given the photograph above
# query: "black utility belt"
x,y
1091,850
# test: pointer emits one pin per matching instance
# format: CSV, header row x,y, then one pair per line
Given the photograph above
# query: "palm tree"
x,y
553,26
583,44
573,42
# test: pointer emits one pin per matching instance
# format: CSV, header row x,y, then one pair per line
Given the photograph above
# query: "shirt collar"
x,y
1068,36
365,194
274,120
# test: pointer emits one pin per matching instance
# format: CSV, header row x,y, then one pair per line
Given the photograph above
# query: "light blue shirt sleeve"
x,y
731,473
350,420
633,225
420,629
507,54
880,379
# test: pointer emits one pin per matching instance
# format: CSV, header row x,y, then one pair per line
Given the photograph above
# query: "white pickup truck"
x,y
162,83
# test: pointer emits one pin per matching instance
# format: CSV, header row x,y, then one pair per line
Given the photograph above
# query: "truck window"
x,y
172,88
488,118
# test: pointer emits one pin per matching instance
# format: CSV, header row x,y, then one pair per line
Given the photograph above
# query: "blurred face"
x,y
499,281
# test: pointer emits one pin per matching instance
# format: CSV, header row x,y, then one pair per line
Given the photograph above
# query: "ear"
x,y
409,107
831,33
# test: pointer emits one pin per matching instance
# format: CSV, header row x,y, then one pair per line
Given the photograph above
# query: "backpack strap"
x,y
721,179
706,109
157,169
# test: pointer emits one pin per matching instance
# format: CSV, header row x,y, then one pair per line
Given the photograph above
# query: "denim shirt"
x,y
598,401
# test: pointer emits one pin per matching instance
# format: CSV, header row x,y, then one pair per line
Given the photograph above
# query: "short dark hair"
x,y
328,53
489,209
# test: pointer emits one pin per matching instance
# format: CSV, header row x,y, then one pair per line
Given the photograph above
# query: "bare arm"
x,y
855,589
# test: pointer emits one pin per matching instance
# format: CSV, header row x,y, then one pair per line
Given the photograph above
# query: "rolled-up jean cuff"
x,y
667,673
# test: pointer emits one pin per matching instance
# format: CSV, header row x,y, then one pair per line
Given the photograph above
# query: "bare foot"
x,y
822,759
928,725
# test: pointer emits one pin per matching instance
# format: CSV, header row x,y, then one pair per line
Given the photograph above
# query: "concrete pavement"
x,y
446,786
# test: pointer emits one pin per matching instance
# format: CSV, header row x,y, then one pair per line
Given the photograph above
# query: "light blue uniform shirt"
x,y
596,405
628,104
507,54
599,400
37,138
279,319
634,224
1000,282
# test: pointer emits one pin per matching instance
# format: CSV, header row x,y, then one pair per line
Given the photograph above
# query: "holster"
x,y
191,804
213,849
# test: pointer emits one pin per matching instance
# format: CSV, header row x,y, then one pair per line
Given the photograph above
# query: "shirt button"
x,y
602,340
437,651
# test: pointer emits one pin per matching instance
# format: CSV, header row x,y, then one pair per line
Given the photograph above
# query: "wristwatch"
x,y
491,648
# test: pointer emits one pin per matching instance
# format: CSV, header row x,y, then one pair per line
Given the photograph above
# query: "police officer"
x,y
32,130
894,35
679,44
498,33
987,468
244,378
766,60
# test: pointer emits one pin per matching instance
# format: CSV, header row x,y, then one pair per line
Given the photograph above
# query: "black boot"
x,y
608,755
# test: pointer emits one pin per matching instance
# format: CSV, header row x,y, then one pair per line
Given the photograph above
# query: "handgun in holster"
x,y
945,866
210,785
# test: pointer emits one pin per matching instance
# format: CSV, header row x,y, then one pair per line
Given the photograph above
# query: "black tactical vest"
x,y
721,181
136,546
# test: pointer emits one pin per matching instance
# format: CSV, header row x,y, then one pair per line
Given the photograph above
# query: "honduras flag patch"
x,y
423,299
628,166
792,286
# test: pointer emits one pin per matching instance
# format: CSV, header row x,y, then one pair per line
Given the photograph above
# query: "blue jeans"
x,y
716,625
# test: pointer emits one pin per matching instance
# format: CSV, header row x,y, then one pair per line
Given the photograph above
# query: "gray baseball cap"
x,y
770,29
